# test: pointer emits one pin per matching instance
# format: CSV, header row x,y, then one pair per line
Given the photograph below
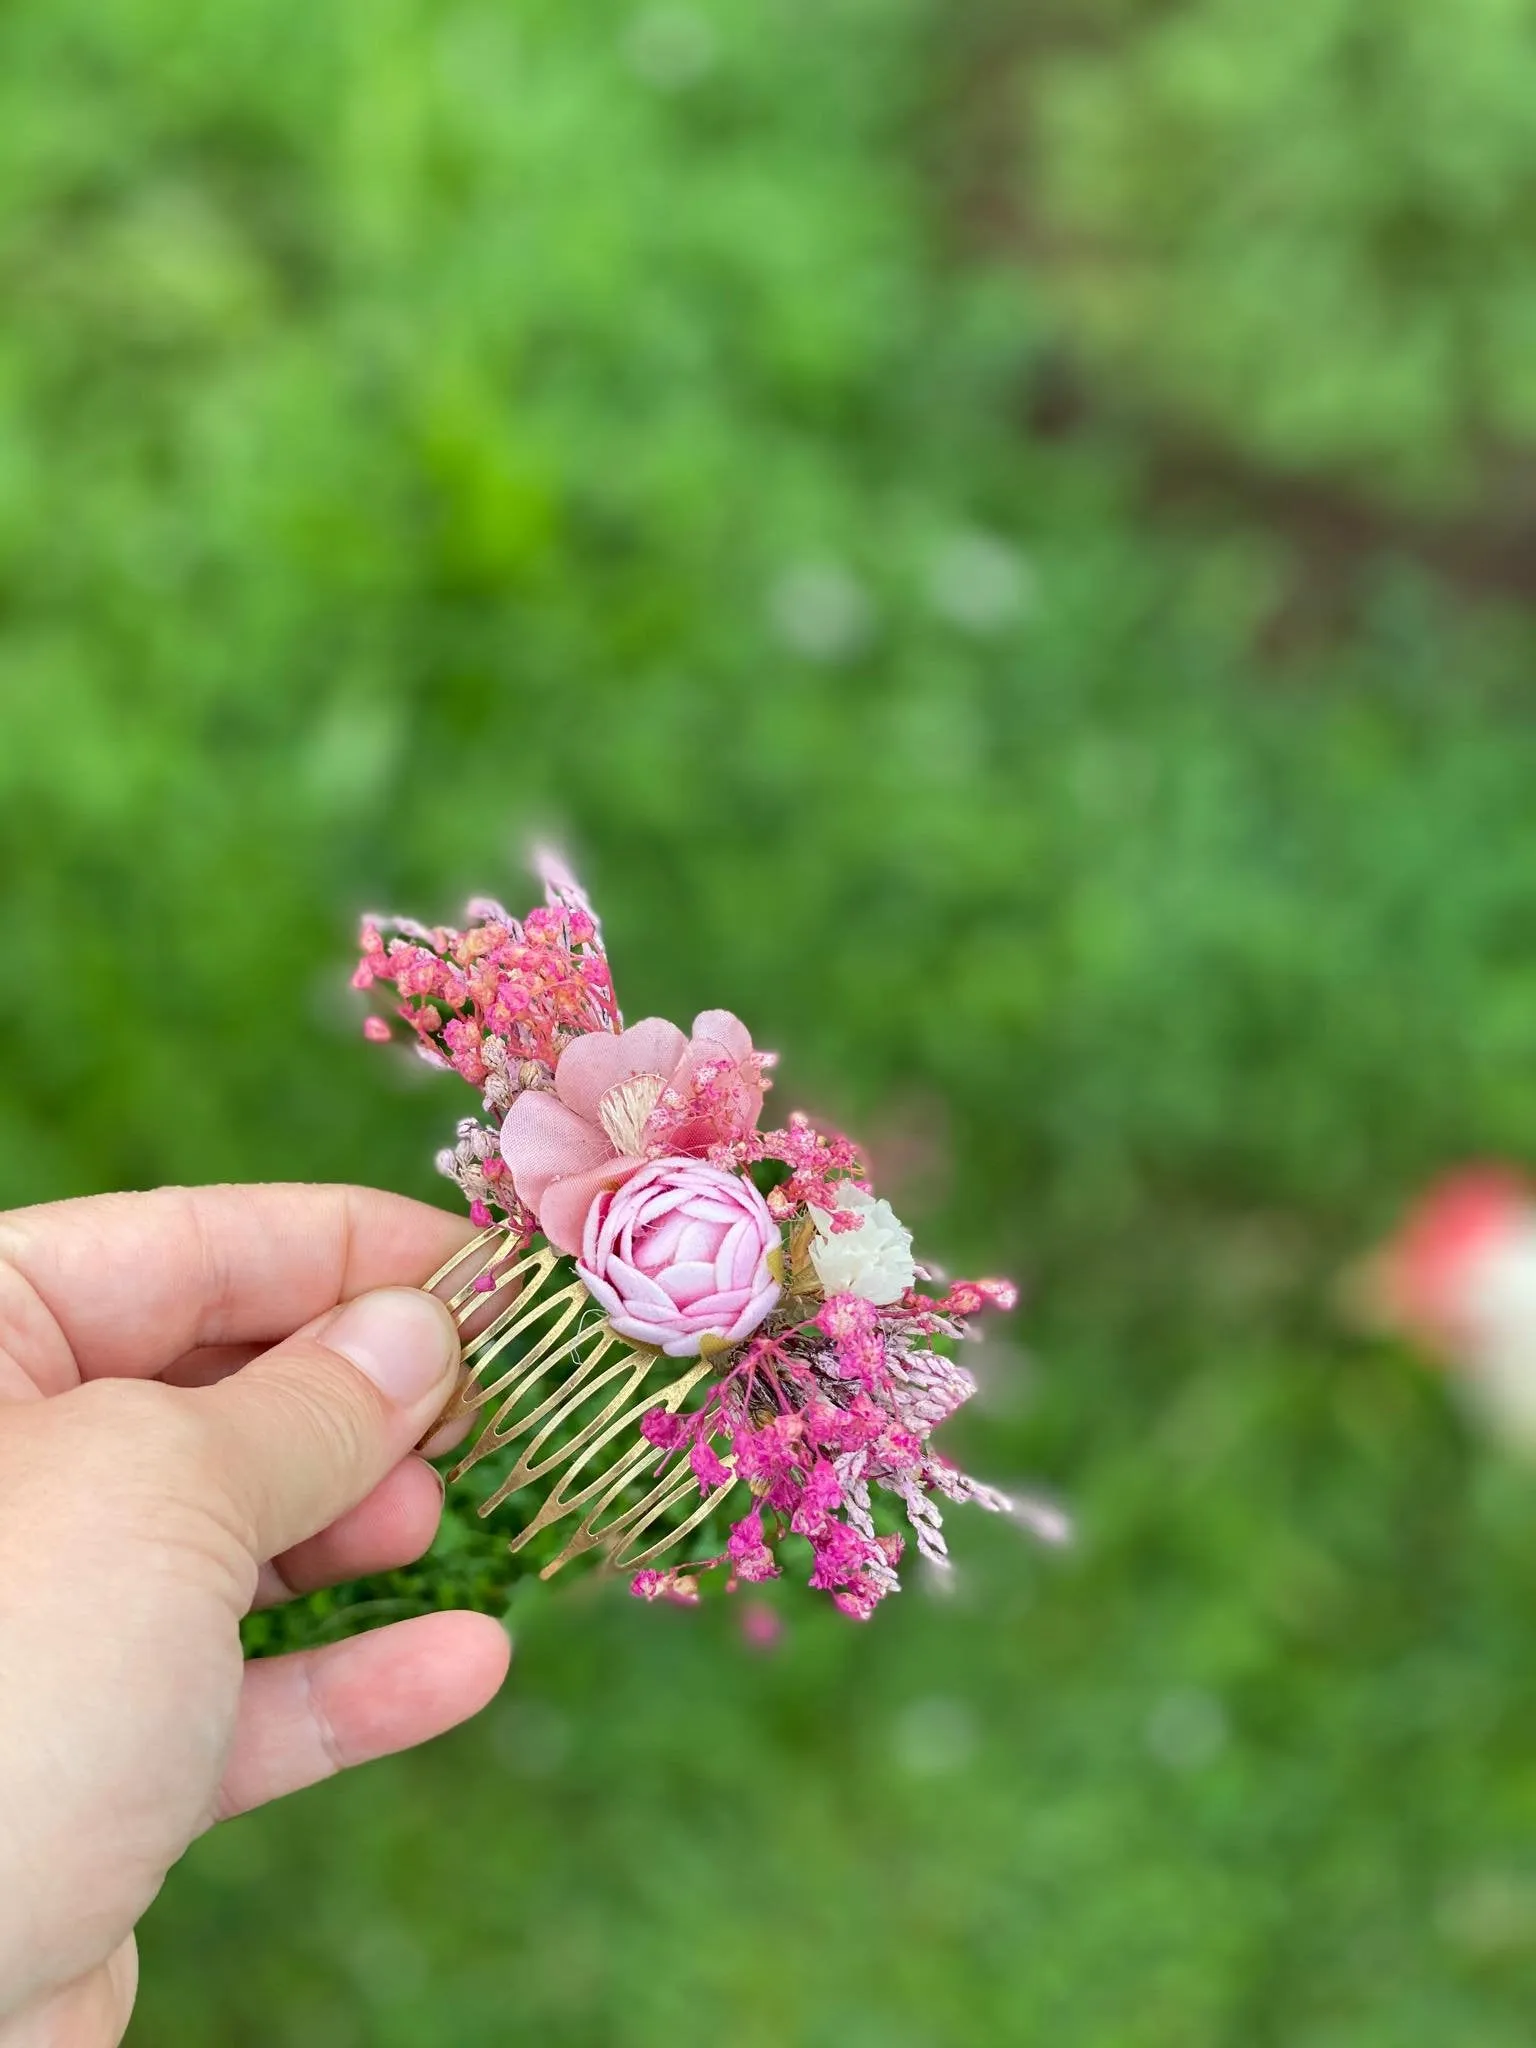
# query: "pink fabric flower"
x,y
680,1253
621,1097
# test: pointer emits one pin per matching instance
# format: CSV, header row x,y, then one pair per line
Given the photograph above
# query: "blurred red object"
x,y
1458,1279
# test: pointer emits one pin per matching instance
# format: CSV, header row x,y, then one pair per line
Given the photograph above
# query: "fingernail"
x,y
401,1338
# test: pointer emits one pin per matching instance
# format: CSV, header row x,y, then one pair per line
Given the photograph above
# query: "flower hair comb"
x,y
667,1306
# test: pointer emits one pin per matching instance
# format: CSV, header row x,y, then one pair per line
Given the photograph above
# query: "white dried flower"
x,y
874,1260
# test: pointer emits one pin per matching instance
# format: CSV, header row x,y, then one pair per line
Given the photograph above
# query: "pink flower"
x,y
666,1431
841,1554
860,1599
821,1497
708,1467
761,1625
680,1587
751,1559
622,1097
680,1253
768,1459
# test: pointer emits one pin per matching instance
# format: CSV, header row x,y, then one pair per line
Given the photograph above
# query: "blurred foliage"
x,y
426,422
1306,231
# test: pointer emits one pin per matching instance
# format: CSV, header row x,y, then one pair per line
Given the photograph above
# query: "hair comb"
x,y
683,1332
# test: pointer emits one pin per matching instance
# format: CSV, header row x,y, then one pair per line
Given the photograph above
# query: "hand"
x,y
161,1472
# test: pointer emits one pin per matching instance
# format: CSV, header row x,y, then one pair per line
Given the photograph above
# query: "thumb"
x,y
304,1432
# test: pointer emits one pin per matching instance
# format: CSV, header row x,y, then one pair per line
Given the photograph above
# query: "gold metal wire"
x,y
536,1354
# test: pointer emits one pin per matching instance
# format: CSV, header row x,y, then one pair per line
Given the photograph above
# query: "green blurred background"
x,y
1001,536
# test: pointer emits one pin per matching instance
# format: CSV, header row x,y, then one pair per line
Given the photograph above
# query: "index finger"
x,y
123,1285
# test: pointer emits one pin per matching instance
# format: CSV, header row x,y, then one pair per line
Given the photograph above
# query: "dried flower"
x,y
872,1260
818,1413
502,991
680,1587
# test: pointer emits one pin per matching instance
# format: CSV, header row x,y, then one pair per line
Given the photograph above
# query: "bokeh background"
x,y
1000,532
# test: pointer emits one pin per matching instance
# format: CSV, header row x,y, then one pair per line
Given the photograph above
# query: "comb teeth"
x,y
560,1383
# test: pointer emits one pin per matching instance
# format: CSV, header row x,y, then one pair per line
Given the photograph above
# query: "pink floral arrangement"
x,y
637,1154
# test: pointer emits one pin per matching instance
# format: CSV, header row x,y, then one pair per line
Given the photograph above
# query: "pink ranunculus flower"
x,y
678,1253
621,1097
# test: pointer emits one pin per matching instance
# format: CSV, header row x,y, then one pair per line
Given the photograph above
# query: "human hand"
x,y
162,1470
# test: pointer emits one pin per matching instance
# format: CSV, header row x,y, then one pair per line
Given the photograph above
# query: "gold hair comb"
x,y
561,1383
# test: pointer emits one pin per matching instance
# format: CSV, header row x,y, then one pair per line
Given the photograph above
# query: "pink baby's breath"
x,y
496,1002
750,1557
841,1398
534,984
818,1162
667,1431
680,1587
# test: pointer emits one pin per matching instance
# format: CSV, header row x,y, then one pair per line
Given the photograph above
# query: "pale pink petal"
x,y
727,1031
645,1214
699,1240
730,1246
665,1187
640,1292
642,1218
717,1035
759,1306
563,1209
599,1060
664,1245
605,1296
641,1332
716,1309
542,1141
746,1255
687,1282
601,1227
592,1229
